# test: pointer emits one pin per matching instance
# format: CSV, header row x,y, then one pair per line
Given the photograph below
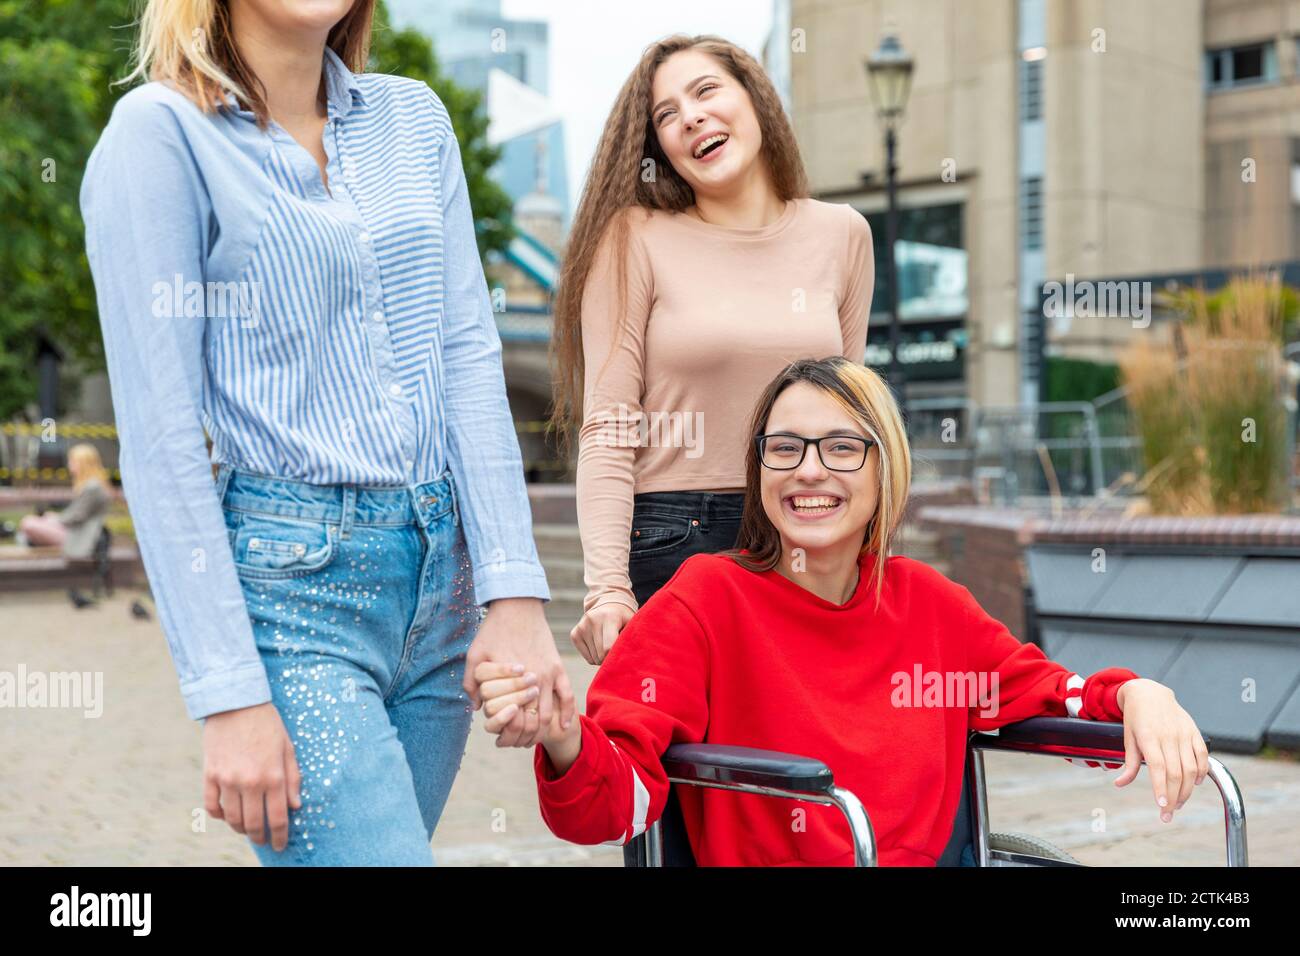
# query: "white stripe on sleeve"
x,y
1074,702
640,807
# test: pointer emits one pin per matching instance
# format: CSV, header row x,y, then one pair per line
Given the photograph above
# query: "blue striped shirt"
x,y
340,335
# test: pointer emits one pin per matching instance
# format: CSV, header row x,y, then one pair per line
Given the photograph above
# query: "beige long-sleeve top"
x,y
711,315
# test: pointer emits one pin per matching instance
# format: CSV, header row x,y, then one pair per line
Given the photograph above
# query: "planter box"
x,y
1208,606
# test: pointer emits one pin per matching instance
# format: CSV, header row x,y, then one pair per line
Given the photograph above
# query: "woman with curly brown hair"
x,y
697,268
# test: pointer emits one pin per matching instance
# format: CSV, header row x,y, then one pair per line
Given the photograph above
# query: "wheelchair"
x,y
773,774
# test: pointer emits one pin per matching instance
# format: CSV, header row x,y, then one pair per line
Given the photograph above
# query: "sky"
x,y
596,43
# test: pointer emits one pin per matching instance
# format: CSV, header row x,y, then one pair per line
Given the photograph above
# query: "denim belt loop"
x,y
349,511
221,481
417,505
455,504
705,507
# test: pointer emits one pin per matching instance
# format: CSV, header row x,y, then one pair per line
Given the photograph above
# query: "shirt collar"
x,y
342,90
341,86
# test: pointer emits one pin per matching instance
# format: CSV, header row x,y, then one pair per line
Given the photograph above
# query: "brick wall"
x,y
984,551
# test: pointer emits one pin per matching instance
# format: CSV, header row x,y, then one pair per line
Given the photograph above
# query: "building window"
x,y
1248,65
1031,90
1031,213
932,263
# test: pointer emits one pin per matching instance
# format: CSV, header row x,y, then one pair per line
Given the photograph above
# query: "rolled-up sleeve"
x,y
147,212
483,449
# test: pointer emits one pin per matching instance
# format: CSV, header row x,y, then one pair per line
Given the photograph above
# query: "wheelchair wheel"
x,y
1021,849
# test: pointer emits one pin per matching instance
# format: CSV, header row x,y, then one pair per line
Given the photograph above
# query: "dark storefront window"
x,y
931,263
932,271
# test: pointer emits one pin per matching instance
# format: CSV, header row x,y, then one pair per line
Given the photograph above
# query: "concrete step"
x,y
557,540
562,641
565,607
564,572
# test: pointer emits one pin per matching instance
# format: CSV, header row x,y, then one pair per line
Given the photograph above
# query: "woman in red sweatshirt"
x,y
810,639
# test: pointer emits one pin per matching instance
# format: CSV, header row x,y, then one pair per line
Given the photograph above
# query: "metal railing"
x,y
1050,449
1040,449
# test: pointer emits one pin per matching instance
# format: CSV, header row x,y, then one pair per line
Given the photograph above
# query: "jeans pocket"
x,y
269,547
654,534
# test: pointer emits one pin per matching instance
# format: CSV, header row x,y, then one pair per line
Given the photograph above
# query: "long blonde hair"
x,y
616,182
868,401
189,44
89,466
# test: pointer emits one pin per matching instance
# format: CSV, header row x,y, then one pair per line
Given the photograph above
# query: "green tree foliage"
x,y
57,59
1078,380
58,63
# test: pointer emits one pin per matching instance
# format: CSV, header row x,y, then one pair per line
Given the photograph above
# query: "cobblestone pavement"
x,y
123,788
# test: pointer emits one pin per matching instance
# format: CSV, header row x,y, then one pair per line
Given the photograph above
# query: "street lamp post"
x,y
889,74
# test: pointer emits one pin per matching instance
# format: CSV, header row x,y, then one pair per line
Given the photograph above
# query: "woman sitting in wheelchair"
x,y
810,639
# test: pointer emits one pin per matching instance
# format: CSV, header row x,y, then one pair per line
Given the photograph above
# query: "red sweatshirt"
x,y
724,655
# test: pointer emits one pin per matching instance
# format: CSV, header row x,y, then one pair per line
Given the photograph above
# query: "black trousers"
x,y
667,528
670,526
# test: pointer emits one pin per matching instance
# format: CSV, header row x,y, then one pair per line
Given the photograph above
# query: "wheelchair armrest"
x,y
1056,734
718,763
1067,736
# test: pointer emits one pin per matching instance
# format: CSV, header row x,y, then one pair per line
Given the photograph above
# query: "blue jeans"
x,y
362,607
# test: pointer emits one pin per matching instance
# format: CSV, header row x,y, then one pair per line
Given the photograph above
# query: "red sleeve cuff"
x,y
584,771
1100,692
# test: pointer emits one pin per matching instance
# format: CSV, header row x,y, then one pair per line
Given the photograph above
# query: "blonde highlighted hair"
x,y
89,466
866,398
189,44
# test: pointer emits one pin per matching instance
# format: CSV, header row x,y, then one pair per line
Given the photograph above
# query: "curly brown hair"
x,y
616,184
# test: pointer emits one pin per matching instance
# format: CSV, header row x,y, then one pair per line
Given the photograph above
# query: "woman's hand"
x,y
515,631
599,628
1159,731
249,763
507,691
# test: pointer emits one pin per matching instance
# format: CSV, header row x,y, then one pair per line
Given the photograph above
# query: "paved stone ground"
x,y
123,788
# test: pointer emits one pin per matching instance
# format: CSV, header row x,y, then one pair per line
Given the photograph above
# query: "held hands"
x,y
515,632
1159,731
599,628
507,690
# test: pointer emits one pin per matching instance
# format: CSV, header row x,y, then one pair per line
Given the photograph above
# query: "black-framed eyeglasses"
x,y
784,452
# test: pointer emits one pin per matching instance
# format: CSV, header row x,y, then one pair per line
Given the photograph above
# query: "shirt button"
x,y
409,464
394,389
364,237
378,316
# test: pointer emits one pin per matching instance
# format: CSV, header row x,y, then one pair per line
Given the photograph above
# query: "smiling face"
x,y
705,122
820,510
294,16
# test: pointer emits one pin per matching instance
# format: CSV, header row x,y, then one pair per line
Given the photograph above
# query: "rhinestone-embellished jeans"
x,y
362,607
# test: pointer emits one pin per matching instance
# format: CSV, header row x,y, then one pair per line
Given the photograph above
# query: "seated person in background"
x,y
809,638
76,528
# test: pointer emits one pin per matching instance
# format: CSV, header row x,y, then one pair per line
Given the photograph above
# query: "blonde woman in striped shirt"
x,y
284,256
